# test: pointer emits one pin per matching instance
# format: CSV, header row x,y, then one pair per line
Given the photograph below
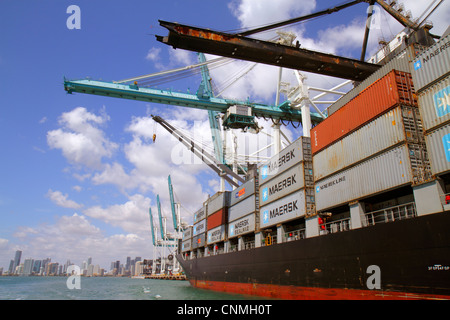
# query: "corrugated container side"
x,y
199,241
187,233
218,201
241,226
289,181
285,209
434,104
216,219
217,234
394,88
288,157
401,63
186,245
383,172
380,134
200,214
431,64
199,227
438,147
242,208
244,191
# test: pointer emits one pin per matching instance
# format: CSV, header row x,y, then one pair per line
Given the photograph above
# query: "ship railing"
x,y
295,235
249,245
400,212
335,226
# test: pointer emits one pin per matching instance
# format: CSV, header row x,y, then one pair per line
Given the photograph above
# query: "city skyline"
x,y
45,266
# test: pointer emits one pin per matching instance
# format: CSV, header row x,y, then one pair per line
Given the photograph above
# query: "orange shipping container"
x,y
393,89
217,218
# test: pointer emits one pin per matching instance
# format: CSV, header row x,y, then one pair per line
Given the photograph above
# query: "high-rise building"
x,y
28,267
17,259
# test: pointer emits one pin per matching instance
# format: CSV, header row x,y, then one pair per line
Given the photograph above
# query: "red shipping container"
x,y
218,218
393,89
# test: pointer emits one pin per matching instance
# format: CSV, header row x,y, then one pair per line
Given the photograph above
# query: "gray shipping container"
x,y
438,147
401,62
216,234
289,181
242,208
288,208
200,214
396,126
187,233
199,227
297,151
431,64
380,173
244,191
199,241
186,245
434,104
218,201
241,226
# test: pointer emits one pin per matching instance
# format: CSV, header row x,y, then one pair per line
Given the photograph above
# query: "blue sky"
x,y
78,172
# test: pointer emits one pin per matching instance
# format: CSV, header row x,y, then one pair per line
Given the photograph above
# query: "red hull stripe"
x,y
308,293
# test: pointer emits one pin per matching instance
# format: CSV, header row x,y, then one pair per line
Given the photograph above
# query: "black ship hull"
x,y
407,259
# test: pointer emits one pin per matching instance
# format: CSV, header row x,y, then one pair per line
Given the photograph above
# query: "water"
x,y
105,288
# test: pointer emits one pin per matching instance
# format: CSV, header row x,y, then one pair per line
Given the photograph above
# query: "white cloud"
x,y
62,200
80,139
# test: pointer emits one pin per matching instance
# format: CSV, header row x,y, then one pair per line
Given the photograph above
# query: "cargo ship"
x,y
358,210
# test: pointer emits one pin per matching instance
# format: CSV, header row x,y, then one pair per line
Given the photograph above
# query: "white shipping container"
x,y
380,134
218,201
242,208
438,147
285,209
200,214
241,226
289,181
297,151
434,104
431,64
187,233
216,234
245,190
186,245
380,173
199,227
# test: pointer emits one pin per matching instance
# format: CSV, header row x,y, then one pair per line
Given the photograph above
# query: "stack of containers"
x,y
286,185
199,228
372,144
242,215
431,75
186,240
217,210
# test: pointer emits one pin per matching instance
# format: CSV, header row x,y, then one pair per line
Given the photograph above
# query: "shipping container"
x,y
299,150
218,201
431,64
245,190
287,182
199,241
285,209
242,208
241,226
434,104
200,214
398,125
216,234
216,219
187,233
438,147
199,227
400,62
380,173
393,89
186,245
